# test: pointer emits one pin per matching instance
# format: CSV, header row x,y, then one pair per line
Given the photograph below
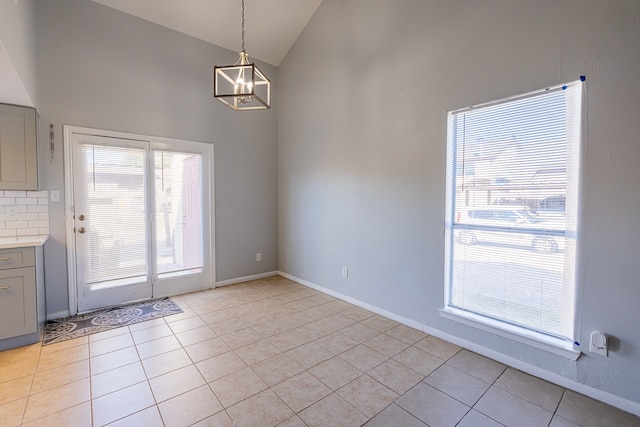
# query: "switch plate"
x,y
598,344
55,195
258,256
345,272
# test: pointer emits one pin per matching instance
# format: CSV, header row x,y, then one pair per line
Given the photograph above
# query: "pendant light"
x,y
242,86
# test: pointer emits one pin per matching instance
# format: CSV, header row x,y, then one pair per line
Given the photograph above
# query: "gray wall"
x,y
101,68
18,37
362,146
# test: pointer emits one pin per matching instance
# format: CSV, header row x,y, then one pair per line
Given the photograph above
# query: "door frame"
x,y
68,132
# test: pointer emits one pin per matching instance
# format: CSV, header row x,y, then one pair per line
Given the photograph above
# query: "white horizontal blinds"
x,y
114,208
575,108
178,184
513,162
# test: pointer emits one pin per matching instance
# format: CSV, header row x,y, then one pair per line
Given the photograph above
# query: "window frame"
x,y
566,347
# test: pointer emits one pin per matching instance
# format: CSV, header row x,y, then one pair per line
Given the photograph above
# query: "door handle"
x,y
82,230
3,288
5,259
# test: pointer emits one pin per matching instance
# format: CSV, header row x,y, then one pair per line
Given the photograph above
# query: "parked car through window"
x,y
508,225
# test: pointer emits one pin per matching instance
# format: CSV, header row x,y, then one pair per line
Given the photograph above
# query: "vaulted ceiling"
x,y
271,26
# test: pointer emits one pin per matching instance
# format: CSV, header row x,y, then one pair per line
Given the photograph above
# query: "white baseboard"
x,y
246,278
58,315
372,308
608,398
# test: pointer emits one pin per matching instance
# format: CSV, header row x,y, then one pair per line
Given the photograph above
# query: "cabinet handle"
x,y
3,288
5,259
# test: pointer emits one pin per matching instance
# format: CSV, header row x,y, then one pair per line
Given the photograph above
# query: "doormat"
x,y
110,318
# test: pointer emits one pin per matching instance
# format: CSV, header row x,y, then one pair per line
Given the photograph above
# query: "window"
x,y
512,199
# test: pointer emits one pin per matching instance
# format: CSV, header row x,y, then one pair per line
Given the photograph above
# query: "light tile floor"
x,y
272,352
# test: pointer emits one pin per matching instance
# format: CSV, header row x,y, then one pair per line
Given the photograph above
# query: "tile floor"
x,y
272,352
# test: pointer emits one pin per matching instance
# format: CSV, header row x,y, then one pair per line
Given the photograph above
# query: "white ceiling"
x,y
12,91
271,26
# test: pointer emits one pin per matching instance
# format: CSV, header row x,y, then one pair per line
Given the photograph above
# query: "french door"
x,y
141,217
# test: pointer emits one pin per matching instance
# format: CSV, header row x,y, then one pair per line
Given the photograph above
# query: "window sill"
x,y
544,342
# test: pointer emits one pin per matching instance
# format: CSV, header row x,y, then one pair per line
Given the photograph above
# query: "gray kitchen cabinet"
x,y
18,157
21,296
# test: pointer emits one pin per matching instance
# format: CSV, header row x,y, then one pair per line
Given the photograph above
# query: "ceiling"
x,y
271,26
12,90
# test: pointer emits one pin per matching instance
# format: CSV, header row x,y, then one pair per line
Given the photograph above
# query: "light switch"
x,y
55,195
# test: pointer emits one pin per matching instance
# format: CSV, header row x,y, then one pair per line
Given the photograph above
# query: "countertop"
x,y
22,241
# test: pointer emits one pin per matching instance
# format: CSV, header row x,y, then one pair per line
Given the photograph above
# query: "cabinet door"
x,y
17,302
18,159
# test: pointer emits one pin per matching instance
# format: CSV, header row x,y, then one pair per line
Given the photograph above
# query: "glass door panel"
x,y
178,190
110,221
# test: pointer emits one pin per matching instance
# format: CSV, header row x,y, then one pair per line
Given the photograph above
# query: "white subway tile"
x,y
38,224
8,233
42,201
27,232
3,225
8,201
26,201
21,209
1,208
41,209
43,193
43,216
28,216
17,224
43,231
8,193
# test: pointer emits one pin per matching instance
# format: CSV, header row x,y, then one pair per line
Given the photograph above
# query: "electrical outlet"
x,y
598,344
258,256
345,272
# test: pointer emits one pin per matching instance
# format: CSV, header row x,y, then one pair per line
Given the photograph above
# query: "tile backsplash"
x,y
24,213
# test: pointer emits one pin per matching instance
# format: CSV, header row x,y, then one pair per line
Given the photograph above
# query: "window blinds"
x,y
512,209
113,190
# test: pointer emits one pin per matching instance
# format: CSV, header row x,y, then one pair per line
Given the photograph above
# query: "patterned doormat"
x,y
102,320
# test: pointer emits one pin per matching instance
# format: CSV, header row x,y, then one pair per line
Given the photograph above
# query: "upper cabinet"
x,y
18,158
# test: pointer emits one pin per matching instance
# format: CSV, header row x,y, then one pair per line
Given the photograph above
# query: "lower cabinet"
x,y
21,299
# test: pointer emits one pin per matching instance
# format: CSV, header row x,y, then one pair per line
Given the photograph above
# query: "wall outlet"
x,y
345,272
258,256
598,344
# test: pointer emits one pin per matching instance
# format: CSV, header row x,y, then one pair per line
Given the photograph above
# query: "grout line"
x,y
270,299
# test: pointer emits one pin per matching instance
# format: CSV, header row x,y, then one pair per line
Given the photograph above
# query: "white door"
x,y
111,221
141,218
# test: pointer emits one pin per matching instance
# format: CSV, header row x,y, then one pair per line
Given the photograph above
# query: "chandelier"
x,y
242,86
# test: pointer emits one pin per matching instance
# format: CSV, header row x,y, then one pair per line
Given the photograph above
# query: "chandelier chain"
x,y
243,25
